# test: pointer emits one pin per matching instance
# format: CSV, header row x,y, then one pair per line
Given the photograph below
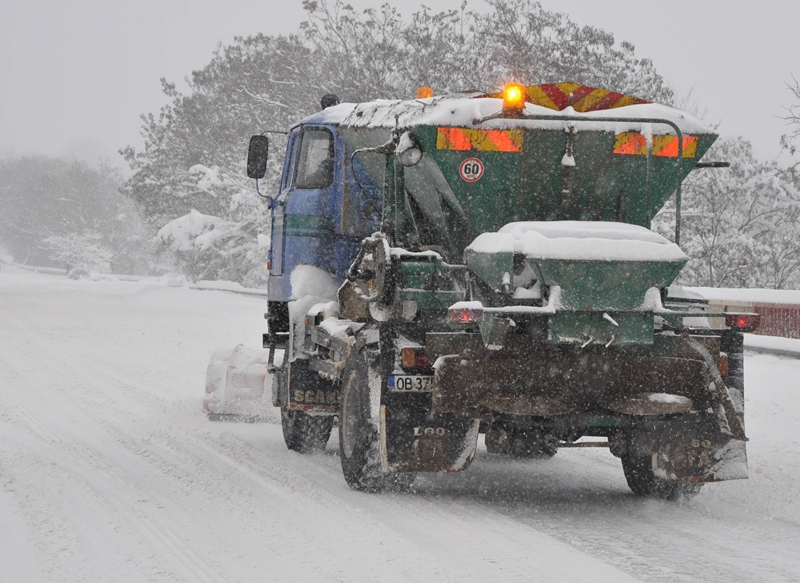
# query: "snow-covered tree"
x,y
208,247
255,83
263,82
376,54
42,197
741,225
81,253
791,140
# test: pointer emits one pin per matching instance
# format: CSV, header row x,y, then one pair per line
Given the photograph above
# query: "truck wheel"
x,y
643,482
305,433
359,440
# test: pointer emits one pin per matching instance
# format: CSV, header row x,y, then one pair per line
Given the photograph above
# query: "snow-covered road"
x,y
109,471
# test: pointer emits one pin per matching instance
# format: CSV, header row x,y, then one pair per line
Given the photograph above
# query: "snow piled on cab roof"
x,y
330,115
467,111
579,240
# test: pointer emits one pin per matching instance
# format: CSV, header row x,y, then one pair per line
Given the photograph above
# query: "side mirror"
x,y
257,157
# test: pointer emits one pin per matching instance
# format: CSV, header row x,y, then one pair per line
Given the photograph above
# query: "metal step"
x,y
274,341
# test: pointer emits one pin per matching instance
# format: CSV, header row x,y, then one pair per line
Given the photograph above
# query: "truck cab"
x,y
325,206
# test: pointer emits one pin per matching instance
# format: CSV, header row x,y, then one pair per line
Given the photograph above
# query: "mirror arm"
x,y
258,190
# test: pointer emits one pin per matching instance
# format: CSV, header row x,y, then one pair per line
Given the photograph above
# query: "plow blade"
x,y
236,385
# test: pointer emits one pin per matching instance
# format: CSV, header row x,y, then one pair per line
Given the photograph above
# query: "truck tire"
x,y
359,440
643,482
305,433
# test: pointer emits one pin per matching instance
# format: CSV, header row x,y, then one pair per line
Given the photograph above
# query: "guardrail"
x,y
776,319
225,286
35,269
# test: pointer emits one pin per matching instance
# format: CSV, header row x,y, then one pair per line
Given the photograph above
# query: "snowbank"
x,y
310,286
230,286
759,296
772,345
5,256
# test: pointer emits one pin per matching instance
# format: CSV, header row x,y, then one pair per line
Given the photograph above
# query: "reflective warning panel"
x,y
635,144
466,139
584,98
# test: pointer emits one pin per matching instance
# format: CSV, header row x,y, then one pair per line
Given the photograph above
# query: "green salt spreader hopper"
x,y
484,171
552,188
604,279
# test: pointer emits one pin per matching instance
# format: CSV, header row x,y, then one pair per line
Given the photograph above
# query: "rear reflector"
x,y
742,322
724,365
413,357
465,315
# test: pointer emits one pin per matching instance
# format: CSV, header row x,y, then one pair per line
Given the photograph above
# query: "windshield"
x,y
315,165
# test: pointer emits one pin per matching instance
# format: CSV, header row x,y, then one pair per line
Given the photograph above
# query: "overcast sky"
x,y
75,75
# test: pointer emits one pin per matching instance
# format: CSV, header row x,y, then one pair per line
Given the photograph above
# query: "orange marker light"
x,y
513,98
413,357
424,92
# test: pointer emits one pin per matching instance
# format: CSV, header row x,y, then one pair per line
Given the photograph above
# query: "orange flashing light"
x,y
424,92
513,98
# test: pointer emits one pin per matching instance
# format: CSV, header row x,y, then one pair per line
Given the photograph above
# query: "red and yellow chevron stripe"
x,y
465,139
584,98
635,144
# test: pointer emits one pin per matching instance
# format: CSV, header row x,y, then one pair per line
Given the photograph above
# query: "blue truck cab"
x,y
325,206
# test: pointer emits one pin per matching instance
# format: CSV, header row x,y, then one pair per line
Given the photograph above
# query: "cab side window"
x,y
315,164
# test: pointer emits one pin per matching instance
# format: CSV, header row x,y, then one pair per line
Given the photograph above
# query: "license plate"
x,y
410,383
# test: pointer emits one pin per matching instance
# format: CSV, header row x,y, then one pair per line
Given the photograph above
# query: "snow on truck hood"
x,y
579,240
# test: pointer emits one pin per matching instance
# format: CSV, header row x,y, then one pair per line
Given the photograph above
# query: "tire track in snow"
x,y
231,502
652,539
74,454
127,503
415,523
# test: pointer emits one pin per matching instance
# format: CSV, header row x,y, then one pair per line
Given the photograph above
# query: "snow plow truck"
x,y
483,263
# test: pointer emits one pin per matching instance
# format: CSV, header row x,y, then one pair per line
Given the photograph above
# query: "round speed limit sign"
x,y
471,169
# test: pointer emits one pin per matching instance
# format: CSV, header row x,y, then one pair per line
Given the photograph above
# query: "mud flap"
x,y
307,391
699,460
414,441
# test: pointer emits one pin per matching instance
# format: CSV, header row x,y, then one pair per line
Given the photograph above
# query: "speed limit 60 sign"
x,y
471,169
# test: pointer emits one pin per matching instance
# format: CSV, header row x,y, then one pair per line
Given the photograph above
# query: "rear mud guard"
x,y
413,441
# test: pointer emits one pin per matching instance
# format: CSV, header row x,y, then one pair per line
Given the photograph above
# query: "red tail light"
x,y
742,322
465,315
413,357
